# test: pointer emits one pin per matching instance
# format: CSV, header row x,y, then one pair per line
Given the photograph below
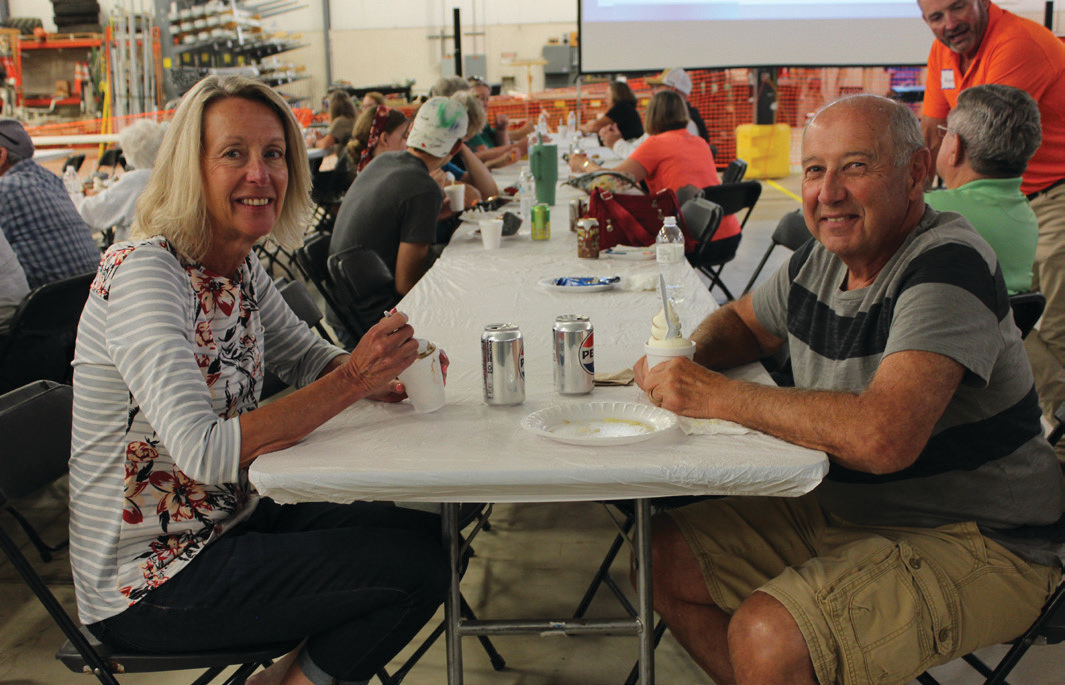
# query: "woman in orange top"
x,y
671,157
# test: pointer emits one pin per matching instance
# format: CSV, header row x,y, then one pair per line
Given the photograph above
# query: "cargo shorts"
x,y
875,604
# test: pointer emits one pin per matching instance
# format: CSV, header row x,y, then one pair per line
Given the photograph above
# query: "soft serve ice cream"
x,y
660,331
660,347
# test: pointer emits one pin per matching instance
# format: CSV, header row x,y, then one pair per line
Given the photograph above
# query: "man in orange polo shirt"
x,y
978,42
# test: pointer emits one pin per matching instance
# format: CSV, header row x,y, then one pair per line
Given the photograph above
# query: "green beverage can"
x,y
541,222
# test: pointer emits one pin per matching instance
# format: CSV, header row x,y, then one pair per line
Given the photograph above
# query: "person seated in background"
x,y
474,175
611,137
115,206
990,135
492,144
621,113
341,122
928,537
473,172
393,205
377,130
37,216
678,81
171,548
13,286
671,157
371,100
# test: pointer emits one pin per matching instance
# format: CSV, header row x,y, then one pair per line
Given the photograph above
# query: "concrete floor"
x,y
536,561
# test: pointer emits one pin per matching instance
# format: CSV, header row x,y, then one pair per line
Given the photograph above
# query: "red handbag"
x,y
634,219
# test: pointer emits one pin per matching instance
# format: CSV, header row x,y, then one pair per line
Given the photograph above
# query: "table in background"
x,y
50,154
471,452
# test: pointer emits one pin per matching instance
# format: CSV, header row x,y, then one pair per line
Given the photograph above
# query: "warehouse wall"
x,y
377,43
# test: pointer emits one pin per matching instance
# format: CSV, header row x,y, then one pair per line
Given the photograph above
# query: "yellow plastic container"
x,y
766,149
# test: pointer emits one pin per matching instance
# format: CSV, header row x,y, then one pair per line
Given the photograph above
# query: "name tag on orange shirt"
x,y
946,79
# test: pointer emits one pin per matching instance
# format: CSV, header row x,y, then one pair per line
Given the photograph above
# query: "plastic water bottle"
x,y
541,124
571,122
669,253
526,195
71,181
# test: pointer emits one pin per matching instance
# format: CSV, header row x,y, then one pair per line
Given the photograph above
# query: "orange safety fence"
x,y
726,98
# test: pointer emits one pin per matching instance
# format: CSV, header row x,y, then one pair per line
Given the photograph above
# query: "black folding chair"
x,y
74,161
312,258
734,172
791,232
299,299
111,159
1027,308
688,192
40,342
302,304
35,423
363,284
733,198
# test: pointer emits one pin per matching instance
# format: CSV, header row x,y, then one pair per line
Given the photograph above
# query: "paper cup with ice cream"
x,y
424,379
660,347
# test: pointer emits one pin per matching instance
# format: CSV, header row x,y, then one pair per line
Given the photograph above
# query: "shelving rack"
x,y
223,35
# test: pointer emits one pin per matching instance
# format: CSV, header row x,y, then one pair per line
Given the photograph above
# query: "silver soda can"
x,y
503,363
574,353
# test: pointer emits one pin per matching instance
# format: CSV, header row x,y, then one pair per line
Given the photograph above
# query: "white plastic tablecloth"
x,y
469,451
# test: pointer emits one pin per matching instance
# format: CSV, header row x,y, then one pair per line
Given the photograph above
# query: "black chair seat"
x,y
144,662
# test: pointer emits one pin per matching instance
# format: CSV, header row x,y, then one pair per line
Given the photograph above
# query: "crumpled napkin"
x,y
638,282
692,426
623,377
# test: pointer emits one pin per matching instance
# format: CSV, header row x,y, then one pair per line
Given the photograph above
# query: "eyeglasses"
x,y
477,81
943,130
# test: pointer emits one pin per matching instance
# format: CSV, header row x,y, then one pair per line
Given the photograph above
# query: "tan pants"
x,y
1046,344
875,604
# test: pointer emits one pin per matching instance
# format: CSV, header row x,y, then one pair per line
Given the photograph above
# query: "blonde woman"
x,y
171,548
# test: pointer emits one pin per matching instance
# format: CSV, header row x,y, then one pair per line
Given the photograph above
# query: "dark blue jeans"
x,y
358,581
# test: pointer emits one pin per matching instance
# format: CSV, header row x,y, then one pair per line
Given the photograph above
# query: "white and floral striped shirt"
x,y
168,357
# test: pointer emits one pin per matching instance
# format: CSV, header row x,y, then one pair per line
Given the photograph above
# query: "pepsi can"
x,y
574,353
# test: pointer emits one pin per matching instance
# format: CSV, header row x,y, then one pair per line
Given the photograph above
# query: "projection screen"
x,y
644,35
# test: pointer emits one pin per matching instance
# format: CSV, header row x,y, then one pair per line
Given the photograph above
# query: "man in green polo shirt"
x,y
989,138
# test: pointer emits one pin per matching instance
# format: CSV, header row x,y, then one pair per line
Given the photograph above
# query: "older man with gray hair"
x,y
911,375
37,216
989,137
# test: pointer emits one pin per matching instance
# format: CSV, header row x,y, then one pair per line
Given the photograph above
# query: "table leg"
x,y
453,601
645,591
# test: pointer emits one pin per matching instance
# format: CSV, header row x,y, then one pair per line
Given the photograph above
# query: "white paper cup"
x,y
424,379
657,355
491,233
563,131
456,195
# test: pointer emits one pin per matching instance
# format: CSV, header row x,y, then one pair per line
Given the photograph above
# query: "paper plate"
x,y
635,254
580,284
600,423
